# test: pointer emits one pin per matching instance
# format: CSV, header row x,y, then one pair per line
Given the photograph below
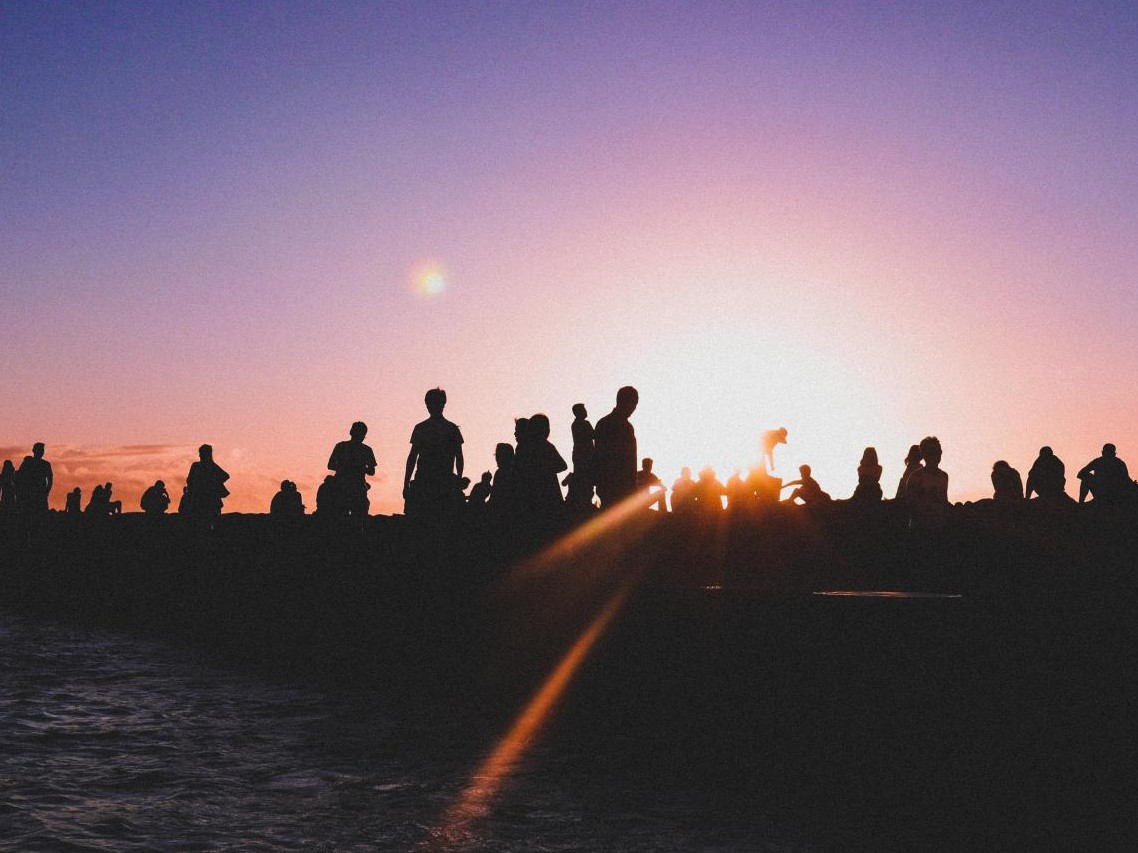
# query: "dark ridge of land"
x,y
1002,719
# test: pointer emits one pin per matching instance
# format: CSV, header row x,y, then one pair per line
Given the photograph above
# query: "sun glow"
x,y
716,390
429,279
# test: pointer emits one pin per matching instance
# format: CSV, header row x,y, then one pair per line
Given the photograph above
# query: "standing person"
x,y
155,500
615,450
536,467
771,439
926,492
912,463
651,485
33,482
1106,478
205,486
435,460
353,461
1047,477
7,488
502,487
581,482
74,504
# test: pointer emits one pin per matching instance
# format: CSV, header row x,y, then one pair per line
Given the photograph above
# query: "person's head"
x,y
539,427
503,454
914,455
930,450
647,463
9,468
107,489
707,473
284,485
579,410
804,470
1000,466
1109,450
76,491
487,476
205,453
782,434
869,456
436,400
685,473
158,484
358,431
1045,451
463,483
521,429
37,450
627,398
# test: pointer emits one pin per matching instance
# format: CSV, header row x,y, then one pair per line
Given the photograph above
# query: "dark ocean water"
x,y
112,743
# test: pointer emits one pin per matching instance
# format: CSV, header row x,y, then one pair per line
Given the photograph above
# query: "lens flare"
x,y
429,279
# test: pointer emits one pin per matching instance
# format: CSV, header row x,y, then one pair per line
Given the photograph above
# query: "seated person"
x,y
808,491
155,500
1106,478
868,478
287,503
1047,477
1007,483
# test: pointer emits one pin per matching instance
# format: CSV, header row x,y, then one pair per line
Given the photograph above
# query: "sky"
x,y
251,224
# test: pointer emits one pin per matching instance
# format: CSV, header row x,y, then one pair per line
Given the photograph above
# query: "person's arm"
x,y
412,458
51,476
334,460
1086,470
459,462
369,467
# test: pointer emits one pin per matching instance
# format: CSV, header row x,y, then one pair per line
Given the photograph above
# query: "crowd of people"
x,y
530,473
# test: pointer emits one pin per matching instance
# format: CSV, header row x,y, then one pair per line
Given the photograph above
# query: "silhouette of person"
x,y
288,503
74,504
868,478
480,494
33,482
353,461
771,439
926,492
707,494
326,503
536,466
808,491
1006,483
7,487
615,450
155,500
205,486
683,491
737,491
435,460
648,482
502,488
97,503
112,507
912,463
1106,478
581,481
521,432
1047,477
